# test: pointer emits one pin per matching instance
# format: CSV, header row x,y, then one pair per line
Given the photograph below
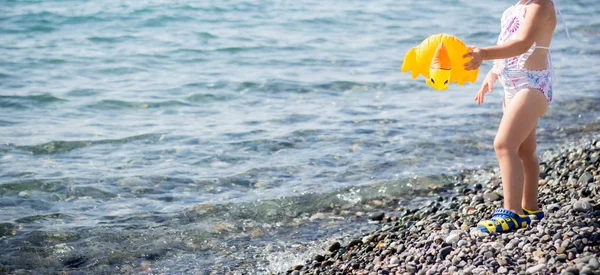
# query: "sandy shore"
x,y
440,238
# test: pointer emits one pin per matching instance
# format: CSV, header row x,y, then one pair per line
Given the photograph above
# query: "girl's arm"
x,y
538,15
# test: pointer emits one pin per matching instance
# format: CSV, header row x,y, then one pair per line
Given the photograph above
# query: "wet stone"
x,y
75,261
319,258
334,247
6,229
354,242
377,216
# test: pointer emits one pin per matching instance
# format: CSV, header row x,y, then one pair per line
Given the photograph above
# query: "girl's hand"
x,y
487,85
478,55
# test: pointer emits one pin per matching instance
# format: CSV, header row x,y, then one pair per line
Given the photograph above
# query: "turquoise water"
x,y
182,136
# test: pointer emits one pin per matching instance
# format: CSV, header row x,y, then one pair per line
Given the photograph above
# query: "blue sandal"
x,y
539,214
503,220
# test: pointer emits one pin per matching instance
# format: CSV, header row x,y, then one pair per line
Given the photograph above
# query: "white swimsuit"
x,y
511,71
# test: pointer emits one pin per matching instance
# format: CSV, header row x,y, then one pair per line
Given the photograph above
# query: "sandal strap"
x,y
539,214
501,212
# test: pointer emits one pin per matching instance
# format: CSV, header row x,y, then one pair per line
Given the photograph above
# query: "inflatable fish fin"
x,y
410,64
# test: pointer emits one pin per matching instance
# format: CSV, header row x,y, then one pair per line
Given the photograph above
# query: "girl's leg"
x,y
531,169
519,120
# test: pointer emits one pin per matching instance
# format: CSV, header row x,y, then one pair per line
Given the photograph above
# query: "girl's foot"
x,y
504,220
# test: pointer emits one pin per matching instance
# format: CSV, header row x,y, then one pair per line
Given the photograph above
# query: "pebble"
x,y
377,216
444,252
582,206
452,238
489,196
552,208
334,247
318,258
536,268
586,270
584,260
594,263
585,179
538,254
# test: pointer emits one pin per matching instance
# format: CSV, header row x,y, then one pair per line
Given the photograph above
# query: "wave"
x,y
219,50
111,104
123,70
85,92
55,147
287,208
46,22
334,87
205,35
205,98
5,75
7,123
26,102
110,39
294,118
44,27
163,20
264,145
44,217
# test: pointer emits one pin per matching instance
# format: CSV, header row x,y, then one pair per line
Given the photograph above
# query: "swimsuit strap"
x,y
562,18
541,47
559,13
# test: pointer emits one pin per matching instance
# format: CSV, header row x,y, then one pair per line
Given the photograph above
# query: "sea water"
x,y
214,136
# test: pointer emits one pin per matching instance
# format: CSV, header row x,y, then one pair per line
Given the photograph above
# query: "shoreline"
x,y
440,237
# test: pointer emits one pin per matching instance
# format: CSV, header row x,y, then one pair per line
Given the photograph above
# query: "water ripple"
x,y
28,102
111,104
55,147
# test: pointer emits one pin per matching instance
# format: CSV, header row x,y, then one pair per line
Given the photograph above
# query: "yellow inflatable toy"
x,y
440,59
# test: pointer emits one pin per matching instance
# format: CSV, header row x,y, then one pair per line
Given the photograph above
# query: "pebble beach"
x,y
440,237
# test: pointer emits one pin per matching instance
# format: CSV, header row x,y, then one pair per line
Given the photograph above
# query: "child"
x,y
523,67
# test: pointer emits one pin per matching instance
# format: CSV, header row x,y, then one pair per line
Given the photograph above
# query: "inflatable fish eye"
x,y
440,59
